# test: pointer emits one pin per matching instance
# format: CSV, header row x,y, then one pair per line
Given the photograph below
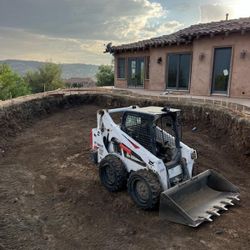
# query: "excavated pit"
x,y
50,193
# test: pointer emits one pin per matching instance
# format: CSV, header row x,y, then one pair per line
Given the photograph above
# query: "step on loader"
x,y
143,152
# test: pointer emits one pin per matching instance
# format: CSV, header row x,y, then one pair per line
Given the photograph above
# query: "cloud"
x,y
70,30
215,12
164,28
20,44
95,19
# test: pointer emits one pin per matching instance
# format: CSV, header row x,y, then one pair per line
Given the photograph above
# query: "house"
x,y
204,59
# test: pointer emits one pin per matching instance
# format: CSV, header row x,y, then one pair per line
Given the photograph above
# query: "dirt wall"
x,y
232,129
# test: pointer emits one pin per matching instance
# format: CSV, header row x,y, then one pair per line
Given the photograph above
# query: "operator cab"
x,y
155,128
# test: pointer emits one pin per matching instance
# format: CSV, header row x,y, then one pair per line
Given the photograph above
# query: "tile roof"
x,y
185,36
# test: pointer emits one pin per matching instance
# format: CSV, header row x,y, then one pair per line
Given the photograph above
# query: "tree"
x,y
11,84
105,75
47,77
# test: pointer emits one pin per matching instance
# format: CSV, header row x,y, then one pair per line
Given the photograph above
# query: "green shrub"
x,y
46,78
11,84
105,75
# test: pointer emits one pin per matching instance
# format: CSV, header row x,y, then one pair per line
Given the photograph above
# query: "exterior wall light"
x,y
243,53
201,56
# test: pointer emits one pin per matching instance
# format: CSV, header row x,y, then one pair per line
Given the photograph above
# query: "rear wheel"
x,y
113,173
145,189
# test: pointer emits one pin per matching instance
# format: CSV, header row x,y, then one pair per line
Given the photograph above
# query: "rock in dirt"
x,y
194,129
62,189
219,231
15,200
203,242
43,177
233,233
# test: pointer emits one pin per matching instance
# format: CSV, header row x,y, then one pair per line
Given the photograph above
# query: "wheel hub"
x,y
142,190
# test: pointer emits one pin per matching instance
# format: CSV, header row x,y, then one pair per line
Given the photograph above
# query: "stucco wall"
x,y
157,71
240,68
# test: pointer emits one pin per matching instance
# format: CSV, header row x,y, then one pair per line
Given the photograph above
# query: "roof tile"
x,y
187,34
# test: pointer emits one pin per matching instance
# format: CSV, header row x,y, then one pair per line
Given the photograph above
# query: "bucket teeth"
x,y
228,203
213,213
208,219
221,208
205,218
234,198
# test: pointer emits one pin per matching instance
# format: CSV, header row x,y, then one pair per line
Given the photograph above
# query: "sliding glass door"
x,y
178,71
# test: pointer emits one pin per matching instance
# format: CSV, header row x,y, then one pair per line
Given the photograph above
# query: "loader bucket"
x,y
198,199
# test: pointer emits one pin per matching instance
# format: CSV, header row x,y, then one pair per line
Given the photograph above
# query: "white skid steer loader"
x,y
144,153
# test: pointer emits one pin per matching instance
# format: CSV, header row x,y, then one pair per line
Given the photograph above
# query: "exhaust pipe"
x,y
198,199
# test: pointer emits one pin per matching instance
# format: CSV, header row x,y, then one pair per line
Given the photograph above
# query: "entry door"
x,y
221,70
136,72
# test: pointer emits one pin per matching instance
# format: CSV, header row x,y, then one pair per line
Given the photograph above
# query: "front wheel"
x,y
145,189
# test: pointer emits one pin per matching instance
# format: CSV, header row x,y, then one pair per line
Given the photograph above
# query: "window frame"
x,y
177,79
221,93
147,68
129,73
117,68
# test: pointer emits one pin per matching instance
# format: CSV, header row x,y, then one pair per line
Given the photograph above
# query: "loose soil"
x,y
51,196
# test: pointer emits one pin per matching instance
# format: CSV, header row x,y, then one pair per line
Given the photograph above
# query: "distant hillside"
x,y
68,70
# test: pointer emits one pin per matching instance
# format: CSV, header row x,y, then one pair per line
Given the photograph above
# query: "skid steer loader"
x,y
144,152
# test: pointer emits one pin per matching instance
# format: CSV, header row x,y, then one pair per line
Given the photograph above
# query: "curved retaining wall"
x,y
231,127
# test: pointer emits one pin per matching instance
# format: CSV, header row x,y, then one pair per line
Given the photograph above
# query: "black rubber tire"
x,y
113,173
149,182
195,170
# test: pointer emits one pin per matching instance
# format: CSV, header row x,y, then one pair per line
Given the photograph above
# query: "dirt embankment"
x,y
51,196
231,128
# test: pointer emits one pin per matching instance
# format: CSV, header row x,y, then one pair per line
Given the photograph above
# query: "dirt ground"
x,y
51,196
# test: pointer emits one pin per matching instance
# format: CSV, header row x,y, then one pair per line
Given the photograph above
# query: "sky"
x,y
75,31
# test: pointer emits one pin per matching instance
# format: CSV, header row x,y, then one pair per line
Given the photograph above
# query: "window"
x,y
147,67
140,128
221,70
132,121
133,70
179,68
121,68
